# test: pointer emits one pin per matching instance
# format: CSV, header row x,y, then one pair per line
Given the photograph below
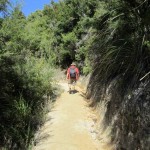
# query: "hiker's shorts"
x,y
72,81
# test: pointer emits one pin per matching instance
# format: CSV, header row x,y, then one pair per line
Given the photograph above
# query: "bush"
x,y
23,86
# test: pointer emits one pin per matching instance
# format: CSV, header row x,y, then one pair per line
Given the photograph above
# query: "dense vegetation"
x,y
26,78
108,38
120,78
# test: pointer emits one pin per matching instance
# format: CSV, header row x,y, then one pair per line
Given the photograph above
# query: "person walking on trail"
x,y
72,77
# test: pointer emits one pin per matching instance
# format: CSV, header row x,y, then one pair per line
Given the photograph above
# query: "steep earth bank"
x,y
124,115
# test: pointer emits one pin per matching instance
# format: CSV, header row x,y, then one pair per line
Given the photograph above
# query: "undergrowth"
x,y
25,86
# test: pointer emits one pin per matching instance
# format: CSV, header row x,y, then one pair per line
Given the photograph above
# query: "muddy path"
x,y
70,125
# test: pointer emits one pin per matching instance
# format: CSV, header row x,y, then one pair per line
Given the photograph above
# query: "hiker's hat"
x,y
73,64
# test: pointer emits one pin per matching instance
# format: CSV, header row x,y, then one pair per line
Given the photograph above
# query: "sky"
x,y
29,6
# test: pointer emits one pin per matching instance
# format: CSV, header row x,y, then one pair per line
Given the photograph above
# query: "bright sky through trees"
x,y
29,6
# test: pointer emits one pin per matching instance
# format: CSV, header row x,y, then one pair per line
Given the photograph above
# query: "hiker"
x,y
72,76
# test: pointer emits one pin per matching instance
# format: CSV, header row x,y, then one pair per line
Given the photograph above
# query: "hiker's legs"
x,y
71,85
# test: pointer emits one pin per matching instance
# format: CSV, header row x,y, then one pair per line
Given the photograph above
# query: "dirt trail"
x,y
70,125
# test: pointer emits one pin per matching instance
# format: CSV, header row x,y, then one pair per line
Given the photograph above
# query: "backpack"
x,y
72,72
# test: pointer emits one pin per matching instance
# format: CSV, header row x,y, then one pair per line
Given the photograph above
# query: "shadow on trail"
x,y
43,137
83,95
73,91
